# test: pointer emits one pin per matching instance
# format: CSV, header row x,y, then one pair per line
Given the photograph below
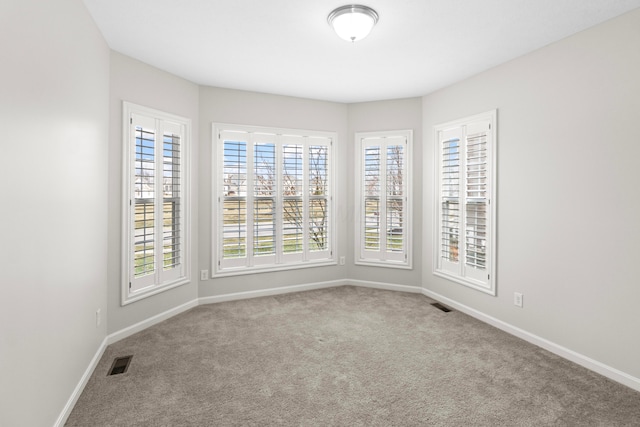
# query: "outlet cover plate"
x,y
517,299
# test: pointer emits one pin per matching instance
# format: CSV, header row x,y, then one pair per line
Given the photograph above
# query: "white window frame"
x,y
383,258
457,268
137,288
251,263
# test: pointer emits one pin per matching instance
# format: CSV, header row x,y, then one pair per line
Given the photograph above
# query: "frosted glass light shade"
x,y
353,22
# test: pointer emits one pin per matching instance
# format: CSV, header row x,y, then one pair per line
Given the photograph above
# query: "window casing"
x,y
465,202
155,205
383,199
272,199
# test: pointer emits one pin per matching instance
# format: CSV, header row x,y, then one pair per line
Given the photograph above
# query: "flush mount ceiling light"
x,y
353,22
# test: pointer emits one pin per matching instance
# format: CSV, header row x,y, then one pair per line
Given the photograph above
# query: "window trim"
x,y
407,263
488,287
127,296
217,162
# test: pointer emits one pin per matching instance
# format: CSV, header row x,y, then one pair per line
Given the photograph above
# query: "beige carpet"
x,y
344,356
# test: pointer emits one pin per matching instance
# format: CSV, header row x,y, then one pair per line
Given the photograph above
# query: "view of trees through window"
x,y
275,196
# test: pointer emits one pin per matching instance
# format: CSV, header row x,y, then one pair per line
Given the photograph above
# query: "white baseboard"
x,y
64,415
140,326
273,291
385,286
580,359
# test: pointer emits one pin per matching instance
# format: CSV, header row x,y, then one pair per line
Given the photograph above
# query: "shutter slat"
x,y
292,205
171,201
234,204
144,194
394,200
318,203
371,190
476,210
450,190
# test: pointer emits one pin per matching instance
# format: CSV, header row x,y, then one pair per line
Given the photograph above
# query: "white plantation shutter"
x,y
449,226
319,197
464,190
233,202
169,197
154,199
273,189
293,209
144,205
265,188
383,214
156,203
371,240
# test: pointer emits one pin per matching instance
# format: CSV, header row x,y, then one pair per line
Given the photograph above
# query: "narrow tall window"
x,y
465,201
155,254
383,196
273,188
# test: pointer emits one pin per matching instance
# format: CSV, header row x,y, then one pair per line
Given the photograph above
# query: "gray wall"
x,y
251,108
54,90
381,116
136,82
568,198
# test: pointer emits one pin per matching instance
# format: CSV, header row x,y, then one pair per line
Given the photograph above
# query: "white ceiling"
x,y
287,47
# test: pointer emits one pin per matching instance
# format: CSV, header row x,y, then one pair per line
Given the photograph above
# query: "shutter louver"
x,y
171,201
144,196
450,197
264,203
292,204
318,197
372,206
476,201
395,198
235,200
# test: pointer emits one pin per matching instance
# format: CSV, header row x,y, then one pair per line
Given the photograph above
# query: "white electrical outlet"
x,y
517,299
204,274
98,319
342,260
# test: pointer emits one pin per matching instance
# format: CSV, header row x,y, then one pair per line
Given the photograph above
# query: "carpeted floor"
x,y
343,356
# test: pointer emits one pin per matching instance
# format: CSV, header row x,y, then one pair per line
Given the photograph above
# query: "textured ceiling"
x,y
287,47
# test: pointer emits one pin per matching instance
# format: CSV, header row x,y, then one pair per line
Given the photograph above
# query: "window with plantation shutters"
x,y
155,256
273,193
383,202
465,201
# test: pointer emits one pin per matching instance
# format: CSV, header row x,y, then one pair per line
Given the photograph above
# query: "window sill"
x,y
385,264
241,271
487,288
129,297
